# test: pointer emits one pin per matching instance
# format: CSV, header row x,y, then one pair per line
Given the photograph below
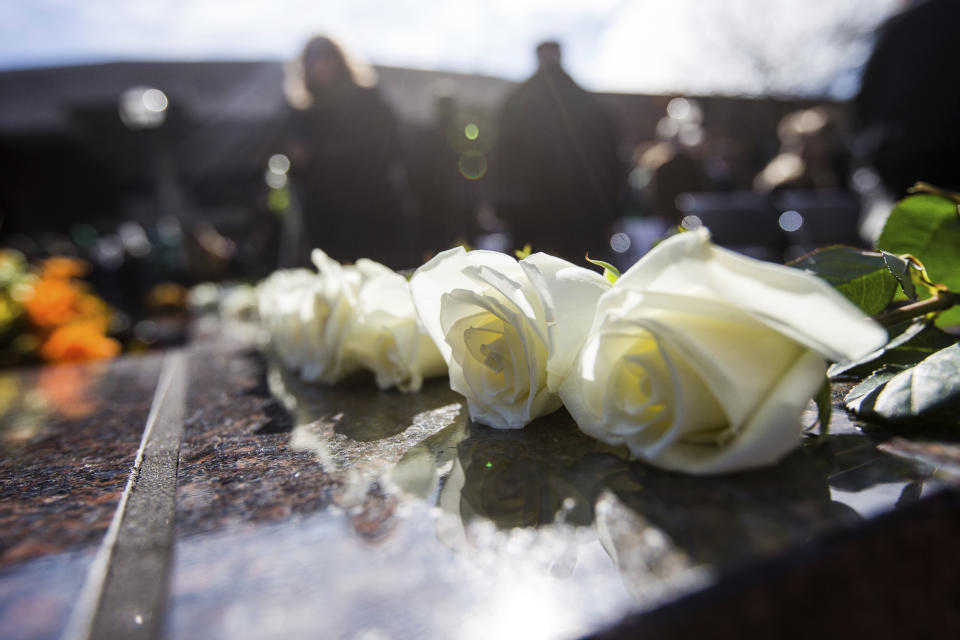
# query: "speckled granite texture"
x,y
67,448
68,437
235,463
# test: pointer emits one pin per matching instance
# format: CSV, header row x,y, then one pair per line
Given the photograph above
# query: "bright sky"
x,y
712,46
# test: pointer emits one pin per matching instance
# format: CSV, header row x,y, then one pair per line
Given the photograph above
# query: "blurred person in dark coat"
x,y
560,181
906,111
444,197
345,158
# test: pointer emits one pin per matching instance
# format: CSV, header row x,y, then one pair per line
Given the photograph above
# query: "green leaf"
x,y
861,276
927,389
900,269
911,343
867,390
927,227
610,272
824,400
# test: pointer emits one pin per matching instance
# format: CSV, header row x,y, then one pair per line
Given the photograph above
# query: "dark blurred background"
x,y
151,143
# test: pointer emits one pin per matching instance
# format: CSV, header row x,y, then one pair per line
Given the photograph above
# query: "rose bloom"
x,y
328,314
388,338
279,298
309,316
507,330
702,360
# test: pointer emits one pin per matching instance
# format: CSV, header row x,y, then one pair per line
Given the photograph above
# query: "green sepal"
x,y
523,253
610,272
900,269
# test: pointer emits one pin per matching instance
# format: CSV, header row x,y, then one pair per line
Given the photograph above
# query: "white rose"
x,y
279,298
328,316
388,338
507,330
701,360
308,316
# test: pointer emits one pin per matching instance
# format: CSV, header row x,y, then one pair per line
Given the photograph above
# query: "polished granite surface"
x,y
306,511
68,435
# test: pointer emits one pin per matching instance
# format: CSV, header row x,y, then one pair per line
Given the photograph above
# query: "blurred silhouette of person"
x,y
560,181
671,163
444,204
906,111
726,159
811,156
345,158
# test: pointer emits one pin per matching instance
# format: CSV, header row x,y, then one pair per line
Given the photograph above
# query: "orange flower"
x,y
51,302
62,268
91,309
80,341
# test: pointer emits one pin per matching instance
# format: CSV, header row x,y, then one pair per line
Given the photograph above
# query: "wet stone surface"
x,y
68,440
235,465
373,496
68,437
312,511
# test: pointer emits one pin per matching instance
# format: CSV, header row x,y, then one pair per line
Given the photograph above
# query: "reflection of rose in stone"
x,y
852,462
729,519
509,485
548,472
527,496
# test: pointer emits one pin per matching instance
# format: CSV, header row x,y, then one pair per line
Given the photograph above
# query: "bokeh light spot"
x,y
471,131
639,178
620,242
278,164
472,165
690,135
275,180
791,221
154,100
678,108
866,180
685,202
143,107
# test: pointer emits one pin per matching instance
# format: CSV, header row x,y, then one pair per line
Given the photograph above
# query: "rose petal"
x,y
569,294
770,434
791,301
445,273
